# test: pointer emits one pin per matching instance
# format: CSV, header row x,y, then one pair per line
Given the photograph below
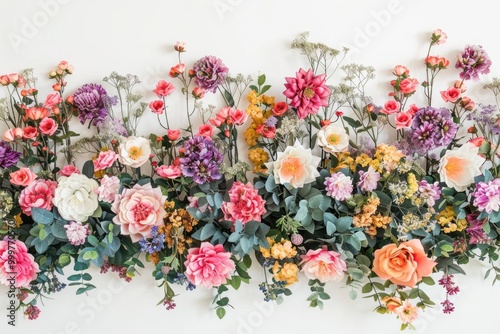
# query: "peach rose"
x,y
205,130
12,134
408,85
48,126
404,265
451,94
323,265
400,70
169,172
173,135
36,113
52,100
22,177
392,303
237,116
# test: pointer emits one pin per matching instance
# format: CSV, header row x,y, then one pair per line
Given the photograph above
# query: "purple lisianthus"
x,y
487,196
8,157
91,100
209,73
155,244
201,160
473,61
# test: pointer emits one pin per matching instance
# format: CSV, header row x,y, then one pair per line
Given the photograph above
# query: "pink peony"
x,y
308,92
22,177
139,209
169,172
38,194
368,180
245,204
323,265
163,88
208,265
17,266
109,188
68,170
105,160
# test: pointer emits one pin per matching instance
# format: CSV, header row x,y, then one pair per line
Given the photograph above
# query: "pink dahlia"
x,y
208,265
138,209
38,194
17,266
339,186
76,233
307,92
487,196
323,265
245,204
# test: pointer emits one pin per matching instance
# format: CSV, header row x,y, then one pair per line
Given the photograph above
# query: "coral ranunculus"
x,y
308,92
245,204
208,265
17,266
323,265
404,265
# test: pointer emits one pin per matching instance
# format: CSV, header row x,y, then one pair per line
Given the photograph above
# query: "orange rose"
x,y
392,303
405,264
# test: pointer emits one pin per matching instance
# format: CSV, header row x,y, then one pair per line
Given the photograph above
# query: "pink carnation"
x,y
109,188
339,186
105,160
323,265
38,194
487,196
138,209
76,233
208,265
17,266
245,204
308,92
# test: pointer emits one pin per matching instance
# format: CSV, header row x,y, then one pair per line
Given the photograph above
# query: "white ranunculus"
x,y
295,166
134,151
459,167
333,138
76,197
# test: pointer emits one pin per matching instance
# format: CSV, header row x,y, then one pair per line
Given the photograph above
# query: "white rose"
x,y
76,197
296,166
333,138
459,167
134,151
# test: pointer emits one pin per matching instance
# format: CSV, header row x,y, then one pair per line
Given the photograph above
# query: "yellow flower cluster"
x,y
344,161
368,219
284,268
386,158
449,222
279,250
288,272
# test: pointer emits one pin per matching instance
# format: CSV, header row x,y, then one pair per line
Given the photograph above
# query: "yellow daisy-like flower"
x,y
287,273
389,156
412,185
251,136
283,249
345,161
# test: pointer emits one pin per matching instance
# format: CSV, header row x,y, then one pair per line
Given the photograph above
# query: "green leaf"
x,y
223,301
74,278
42,216
88,169
343,224
207,231
221,312
261,79
251,227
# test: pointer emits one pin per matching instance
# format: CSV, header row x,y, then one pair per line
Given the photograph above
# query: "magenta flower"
x,y
487,196
17,263
245,204
308,92
473,61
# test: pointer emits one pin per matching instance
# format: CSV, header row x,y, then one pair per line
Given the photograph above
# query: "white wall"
x,y
251,37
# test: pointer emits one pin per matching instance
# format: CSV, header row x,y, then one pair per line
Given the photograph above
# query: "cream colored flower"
x,y
134,151
459,167
76,197
333,138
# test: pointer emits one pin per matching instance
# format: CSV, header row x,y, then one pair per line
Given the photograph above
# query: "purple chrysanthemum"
x,y
429,192
338,186
8,157
91,101
487,196
473,61
201,160
209,73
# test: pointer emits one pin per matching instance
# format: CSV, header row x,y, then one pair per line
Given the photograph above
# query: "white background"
x,y
251,37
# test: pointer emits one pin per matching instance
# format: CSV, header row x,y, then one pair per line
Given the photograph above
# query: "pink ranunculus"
x,y
38,194
22,177
169,172
109,188
404,264
408,85
104,160
439,36
52,100
237,116
30,132
157,106
68,170
208,265
48,126
12,134
280,108
391,107
163,88
205,130
400,70
403,119
308,92
138,209
173,135
177,70
17,266
323,265
452,94
245,204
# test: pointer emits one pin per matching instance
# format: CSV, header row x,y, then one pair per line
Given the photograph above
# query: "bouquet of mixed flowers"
x,y
328,197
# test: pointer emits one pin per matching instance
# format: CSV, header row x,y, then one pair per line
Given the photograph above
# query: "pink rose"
x,y
390,107
245,204
30,132
198,93
437,62
400,70
173,135
452,94
467,103
403,119
36,113
280,108
4,80
323,265
12,134
52,100
439,37
237,116
408,85
22,177
68,170
157,107
205,130
105,160
208,265
266,131
38,194
177,70
413,109
163,88
169,172
138,209
17,266
48,126
404,265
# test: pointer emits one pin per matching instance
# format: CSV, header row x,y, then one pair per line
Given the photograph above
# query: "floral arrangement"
x,y
337,188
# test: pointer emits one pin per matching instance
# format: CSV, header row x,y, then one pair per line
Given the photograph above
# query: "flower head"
x,y
339,186
90,102
210,72
201,160
245,204
487,196
368,180
134,151
459,167
323,265
17,263
38,194
333,138
473,61
8,157
77,233
75,197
